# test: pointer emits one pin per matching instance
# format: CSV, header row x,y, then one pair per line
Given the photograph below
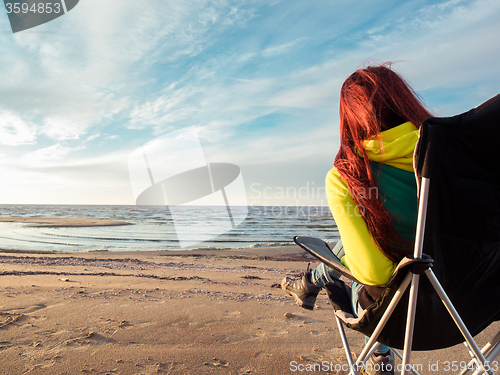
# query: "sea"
x,y
158,228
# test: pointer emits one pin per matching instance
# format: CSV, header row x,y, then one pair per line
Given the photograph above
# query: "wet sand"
x,y
182,312
59,222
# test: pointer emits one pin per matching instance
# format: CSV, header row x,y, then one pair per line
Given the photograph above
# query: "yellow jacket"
x,y
368,264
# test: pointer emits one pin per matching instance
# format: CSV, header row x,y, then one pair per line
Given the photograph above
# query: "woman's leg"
x,y
355,289
323,275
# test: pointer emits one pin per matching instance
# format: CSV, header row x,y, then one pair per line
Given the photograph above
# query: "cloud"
x,y
92,137
445,44
260,81
71,119
317,144
437,47
277,50
206,95
51,153
105,48
15,131
59,179
60,128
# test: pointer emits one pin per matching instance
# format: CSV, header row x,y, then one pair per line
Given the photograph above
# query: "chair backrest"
x,y
460,156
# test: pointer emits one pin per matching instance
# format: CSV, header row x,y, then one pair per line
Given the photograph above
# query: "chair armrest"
x,y
320,250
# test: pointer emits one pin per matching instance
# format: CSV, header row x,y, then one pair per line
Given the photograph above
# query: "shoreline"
x,y
288,253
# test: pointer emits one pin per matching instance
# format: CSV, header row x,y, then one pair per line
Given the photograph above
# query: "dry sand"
x,y
168,313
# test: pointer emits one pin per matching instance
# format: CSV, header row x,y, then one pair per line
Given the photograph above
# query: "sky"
x,y
258,80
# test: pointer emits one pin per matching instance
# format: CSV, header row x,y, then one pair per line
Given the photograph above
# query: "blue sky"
x,y
260,80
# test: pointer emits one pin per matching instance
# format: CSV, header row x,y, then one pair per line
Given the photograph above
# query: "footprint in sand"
x,y
124,324
215,362
18,314
26,310
7,318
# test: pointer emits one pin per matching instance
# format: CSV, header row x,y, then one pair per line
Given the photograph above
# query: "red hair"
x,y
372,100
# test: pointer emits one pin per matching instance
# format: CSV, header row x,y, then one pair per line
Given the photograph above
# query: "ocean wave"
x,y
110,238
229,239
207,248
155,230
39,241
272,244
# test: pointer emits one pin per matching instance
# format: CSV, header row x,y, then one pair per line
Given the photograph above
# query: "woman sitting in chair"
x,y
371,191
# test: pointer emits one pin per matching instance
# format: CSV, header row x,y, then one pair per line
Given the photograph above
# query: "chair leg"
x,y
346,347
385,318
419,244
472,363
488,348
495,351
410,323
410,367
459,322
492,344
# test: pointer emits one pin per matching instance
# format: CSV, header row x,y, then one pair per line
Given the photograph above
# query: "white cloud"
x,y
277,50
102,48
438,47
447,43
15,131
169,64
51,153
92,137
60,128
278,146
59,179
71,118
214,106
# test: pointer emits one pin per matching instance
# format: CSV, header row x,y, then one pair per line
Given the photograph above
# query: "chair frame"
x,y
412,279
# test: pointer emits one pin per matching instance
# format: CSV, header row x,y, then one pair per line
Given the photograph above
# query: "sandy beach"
x,y
170,312
165,312
148,313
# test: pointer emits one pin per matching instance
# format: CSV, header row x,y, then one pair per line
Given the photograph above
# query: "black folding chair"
x,y
457,166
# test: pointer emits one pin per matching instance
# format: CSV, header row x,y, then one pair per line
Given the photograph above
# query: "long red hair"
x,y
372,100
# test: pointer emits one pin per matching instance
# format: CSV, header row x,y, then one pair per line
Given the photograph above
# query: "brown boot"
x,y
304,291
